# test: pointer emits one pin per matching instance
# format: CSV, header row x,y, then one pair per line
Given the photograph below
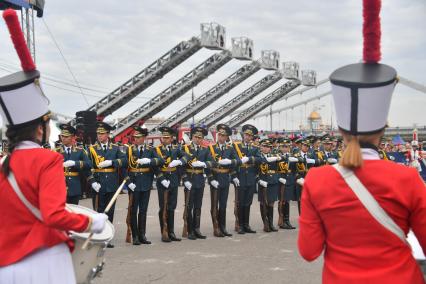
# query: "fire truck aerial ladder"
x,y
291,71
269,60
212,37
308,79
166,97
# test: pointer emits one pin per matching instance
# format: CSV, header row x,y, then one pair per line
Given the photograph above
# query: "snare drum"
x,y
88,263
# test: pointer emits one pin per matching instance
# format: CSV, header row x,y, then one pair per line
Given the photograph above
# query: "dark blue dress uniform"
x,y
247,176
287,190
82,164
222,174
303,167
167,196
107,177
141,177
196,176
268,172
73,174
329,156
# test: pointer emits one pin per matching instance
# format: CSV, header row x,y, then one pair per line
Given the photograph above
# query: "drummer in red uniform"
x,y
360,248
34,247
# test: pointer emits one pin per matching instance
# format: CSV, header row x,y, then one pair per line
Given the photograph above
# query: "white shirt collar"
x,y
24,145
369,154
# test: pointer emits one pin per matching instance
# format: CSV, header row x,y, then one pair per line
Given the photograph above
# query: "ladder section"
x,y
173,92
263,103
213,94
241,99
141,81
317,97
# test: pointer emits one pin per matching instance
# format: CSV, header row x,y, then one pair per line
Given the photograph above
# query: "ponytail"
x,y
352,157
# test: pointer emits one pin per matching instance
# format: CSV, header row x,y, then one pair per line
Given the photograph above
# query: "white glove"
x,y
272,159
225,162
293,159
215,183
392,158
263,183
132,186
188,185
144,161
69,163
331,160
175,163
165,183
310,161
96,186
236,181
245,160
105,164
98,223
199,164
300,181
282,180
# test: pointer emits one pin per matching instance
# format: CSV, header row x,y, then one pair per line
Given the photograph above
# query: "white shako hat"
x,y
22,100
362,92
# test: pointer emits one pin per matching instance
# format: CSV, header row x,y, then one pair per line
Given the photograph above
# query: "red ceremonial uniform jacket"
x,y
40,176
358,249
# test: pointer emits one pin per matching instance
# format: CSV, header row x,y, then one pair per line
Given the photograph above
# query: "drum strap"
x,y
12,181
370,203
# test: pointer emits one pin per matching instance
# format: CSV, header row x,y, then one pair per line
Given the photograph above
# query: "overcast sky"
x,y
107,42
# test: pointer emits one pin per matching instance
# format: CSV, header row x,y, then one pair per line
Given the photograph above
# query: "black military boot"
x,y
271,219
241,220
222,223
142,229
264,219
247,227
134,227
171,226
197,219
164,235
189,222
287,225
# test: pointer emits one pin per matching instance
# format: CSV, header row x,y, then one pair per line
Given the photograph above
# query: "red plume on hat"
x,y
356,86
23,88
371,30
18,39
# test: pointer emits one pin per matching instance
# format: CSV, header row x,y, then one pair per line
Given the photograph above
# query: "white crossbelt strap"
x,y
15,186
369,202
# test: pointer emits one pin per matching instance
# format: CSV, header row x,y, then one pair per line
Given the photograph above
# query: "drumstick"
x,y
117,192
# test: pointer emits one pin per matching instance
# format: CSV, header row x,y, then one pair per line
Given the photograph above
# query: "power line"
x,y
138,99
66,62
96,88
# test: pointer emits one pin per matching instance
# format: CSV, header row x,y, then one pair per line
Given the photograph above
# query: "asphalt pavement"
x,y
250,258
